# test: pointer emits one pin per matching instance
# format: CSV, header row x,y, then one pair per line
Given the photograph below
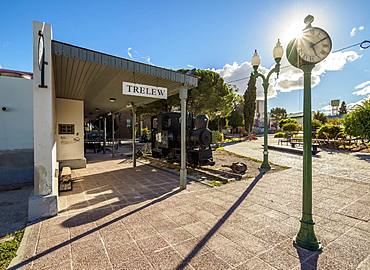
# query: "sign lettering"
x,y
141,90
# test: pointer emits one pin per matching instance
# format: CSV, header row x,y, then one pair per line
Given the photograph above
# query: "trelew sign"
x,y
141,90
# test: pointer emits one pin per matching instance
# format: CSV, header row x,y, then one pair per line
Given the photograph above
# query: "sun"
x,y
293,30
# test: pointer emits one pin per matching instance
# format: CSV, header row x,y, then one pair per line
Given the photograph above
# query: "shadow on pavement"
x,y
219,223
307,258
55,248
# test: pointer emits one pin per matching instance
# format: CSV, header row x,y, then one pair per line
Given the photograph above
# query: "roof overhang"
x,y
95,77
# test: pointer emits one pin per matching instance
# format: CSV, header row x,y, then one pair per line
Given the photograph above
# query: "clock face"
x,y
314,46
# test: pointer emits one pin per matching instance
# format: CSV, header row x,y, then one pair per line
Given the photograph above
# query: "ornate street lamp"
x,y
256,61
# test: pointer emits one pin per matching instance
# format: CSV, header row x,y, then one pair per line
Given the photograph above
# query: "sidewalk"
x,y
136,219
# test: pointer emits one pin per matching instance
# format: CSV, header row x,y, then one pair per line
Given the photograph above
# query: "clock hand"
x,y
313,44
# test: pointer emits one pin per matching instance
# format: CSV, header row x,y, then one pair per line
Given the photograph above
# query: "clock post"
x,y
303,53
306,237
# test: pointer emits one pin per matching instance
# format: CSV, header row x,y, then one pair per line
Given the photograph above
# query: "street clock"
x,y
304,52
311,47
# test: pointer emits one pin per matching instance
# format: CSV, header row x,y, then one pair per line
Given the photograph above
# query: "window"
x,y
66,129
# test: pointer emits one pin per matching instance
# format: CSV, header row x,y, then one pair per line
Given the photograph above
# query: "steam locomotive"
x,y
166,134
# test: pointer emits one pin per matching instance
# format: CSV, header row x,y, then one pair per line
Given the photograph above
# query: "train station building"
x,y
73,85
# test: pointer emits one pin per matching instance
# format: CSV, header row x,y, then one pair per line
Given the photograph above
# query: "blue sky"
x,y
204,34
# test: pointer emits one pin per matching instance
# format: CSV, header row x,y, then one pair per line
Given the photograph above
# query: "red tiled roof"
x,y
16,73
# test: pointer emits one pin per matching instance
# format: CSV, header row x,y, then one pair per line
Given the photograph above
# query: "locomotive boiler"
x,y
166,134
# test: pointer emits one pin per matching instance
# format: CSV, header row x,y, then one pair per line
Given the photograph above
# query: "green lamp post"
x,y
256,61
303,52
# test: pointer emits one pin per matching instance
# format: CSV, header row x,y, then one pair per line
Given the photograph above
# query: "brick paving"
x,y
122,218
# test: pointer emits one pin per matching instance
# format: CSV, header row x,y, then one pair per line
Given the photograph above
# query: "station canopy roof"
x,y
96,77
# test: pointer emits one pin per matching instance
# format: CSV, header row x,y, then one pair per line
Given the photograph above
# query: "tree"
x,y
212,97
320,116
357,122
343,108
278,113
235,119
250,103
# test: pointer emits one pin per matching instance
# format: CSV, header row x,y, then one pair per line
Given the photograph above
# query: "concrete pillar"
x,y
133,108
113,153
183,96
141,125
105,134
44,200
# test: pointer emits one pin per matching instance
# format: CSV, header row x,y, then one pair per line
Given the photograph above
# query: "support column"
x,y
113,150
183,173
133,108
306,237
141,124
105,134
44,200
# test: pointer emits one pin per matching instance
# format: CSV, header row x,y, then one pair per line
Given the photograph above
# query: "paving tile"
x,y
253,244
176,236
152,244
208,261
165,259
233,254
121,252
255,264
192,246
52,258
279,259
90,260
270,235
140,263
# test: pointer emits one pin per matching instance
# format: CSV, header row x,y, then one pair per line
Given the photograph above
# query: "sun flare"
x,y
292,31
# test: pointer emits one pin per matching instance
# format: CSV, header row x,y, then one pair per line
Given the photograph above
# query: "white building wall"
x,y
70,147
16,131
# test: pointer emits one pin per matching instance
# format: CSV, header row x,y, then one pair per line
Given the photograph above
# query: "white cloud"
x,y
362,89
129,52
354,104
190,66
355,30
290,78
326,108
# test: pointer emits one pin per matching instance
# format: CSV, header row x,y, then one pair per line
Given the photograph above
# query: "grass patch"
x,y
215,183
8,249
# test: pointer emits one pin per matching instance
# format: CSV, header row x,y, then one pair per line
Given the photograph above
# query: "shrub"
x,y
320,116
286,121
279,134
329,131
316,124
217,137
291,128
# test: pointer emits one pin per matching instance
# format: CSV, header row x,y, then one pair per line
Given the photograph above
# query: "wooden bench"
x,y
65,180
314,146
281,141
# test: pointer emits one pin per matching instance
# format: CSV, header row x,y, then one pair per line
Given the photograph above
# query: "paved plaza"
x,y
118,217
